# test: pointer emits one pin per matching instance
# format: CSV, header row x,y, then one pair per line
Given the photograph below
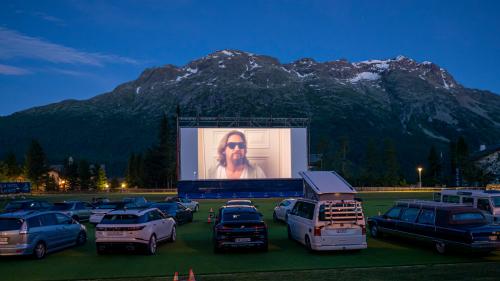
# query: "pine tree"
x,y
3,172
370,175
434,169
102,180
71,173
36,164
84,176
13,169
50,183
391,164
342,163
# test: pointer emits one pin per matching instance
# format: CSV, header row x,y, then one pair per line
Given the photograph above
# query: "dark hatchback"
x,y
239,227
175,210
442,224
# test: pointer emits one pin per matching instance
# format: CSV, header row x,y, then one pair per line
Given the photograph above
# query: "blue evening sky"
x,y
56,50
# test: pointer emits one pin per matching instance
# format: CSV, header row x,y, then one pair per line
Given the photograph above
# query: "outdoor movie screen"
x,y
242,153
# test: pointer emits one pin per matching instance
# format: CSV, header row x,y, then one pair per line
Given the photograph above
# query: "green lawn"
x,y
193,249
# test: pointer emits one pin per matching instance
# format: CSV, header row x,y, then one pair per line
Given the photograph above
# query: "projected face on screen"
x,y
242,153
232,159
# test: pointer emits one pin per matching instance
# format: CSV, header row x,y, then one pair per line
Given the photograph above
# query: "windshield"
x,y
467,218
496,201
61,206
10,224
241,216
121,219
233,203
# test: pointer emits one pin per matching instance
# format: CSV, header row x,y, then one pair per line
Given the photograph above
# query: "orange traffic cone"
x,y
191,275
176,276
211,210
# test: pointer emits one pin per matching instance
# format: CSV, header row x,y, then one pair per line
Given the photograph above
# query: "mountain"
x,y
415,104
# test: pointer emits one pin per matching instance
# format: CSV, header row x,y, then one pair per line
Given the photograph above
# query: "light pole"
x,y
419,177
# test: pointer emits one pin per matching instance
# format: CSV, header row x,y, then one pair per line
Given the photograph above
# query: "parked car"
x,y
27,205
486,200
38,233
98,213
139,201
240,202
282,210
175,210
445,225
99,200
327,224
188,203
239,227
132,229
78,210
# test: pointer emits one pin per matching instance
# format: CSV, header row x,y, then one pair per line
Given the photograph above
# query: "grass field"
x,y
193,249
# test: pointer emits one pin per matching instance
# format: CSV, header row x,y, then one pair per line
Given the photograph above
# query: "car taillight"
x,y
317,231
24,228
100,228
134,228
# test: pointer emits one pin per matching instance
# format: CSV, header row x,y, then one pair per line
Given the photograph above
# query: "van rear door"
x,y
341,223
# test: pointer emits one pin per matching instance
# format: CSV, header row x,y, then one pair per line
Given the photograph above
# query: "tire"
x,y
40,250
265,248
152,245
374,231
217,250
173,235
308,244
440,247
81,239
275,218
289,232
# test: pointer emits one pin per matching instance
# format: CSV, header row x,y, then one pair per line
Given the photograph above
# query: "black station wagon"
x,y
445,225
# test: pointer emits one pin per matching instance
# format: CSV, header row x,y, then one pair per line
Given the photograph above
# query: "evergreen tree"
x,y
434,169
71,173
84,175
3,172
36,164
102,180
13,169
454,175
50,183
342,163
370,175
391,164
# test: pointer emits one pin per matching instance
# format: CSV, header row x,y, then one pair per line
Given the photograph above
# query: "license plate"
x,y
115,233
342,230
240,240
4,240
493,238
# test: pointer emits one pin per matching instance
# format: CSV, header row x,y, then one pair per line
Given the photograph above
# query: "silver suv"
x,y
134,229
38,233
79,211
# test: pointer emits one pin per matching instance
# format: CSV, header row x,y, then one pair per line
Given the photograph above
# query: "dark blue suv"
x,y
442,224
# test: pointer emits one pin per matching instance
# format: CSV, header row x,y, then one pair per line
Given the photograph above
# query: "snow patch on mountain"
x,y
371,76
432,135
137,90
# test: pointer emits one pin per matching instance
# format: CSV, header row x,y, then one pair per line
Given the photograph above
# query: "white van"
x,y
329,218
486,200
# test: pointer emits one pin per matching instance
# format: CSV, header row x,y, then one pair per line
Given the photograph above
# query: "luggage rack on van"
x,y
344,211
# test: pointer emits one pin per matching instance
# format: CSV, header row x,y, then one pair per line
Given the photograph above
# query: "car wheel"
x,y
265,248
289,232
308,243
275,218
440,247
374,231
151,247
173,235
40,250
82,238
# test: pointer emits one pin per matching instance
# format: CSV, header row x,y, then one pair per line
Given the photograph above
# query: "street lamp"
x,y
419,177
124,185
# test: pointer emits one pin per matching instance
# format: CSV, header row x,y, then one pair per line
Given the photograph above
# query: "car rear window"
x,y
7,224
467,218
233,203
496,201
121,219
241,216
61,206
